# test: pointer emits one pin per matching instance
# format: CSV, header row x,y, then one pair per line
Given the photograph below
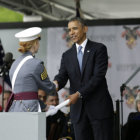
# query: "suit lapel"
x,y
86,55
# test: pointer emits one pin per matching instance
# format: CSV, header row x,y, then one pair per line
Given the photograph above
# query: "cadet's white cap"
x,y
28,34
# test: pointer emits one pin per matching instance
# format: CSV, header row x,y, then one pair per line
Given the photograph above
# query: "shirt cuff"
x,y
80,96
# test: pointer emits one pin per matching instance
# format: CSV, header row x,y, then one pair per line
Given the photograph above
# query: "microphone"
x,y
7,62
8,58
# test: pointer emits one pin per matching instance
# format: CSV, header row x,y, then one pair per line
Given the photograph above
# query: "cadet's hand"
x,y
56,84
73,98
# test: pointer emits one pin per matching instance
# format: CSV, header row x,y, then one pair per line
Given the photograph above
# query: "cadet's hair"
x,y
25,46
80,20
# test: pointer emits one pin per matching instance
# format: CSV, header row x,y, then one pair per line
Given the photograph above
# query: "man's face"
x,y
52,100
77,31
42,95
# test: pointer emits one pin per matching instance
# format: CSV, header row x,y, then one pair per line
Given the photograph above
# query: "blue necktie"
x,y
80,57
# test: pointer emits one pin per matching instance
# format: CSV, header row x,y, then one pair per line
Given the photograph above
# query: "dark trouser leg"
x,y
82,129
103,129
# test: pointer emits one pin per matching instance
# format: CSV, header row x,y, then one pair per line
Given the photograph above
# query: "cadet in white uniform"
x,y
31,75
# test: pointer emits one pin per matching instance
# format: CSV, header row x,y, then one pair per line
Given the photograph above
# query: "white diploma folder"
x,y
58,107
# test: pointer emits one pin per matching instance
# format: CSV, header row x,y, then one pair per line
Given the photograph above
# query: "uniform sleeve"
x,y
42,79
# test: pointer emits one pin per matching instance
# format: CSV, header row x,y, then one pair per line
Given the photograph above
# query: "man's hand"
x,y
56,84
73,98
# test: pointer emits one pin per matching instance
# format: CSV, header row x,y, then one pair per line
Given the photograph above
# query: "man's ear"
x,y
85,28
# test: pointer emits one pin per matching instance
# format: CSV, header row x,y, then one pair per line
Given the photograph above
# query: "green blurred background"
x,y
7,15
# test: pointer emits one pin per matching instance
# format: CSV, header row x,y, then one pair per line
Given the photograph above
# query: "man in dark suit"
x,y
91,105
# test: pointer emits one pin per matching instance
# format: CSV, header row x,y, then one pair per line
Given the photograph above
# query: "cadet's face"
x,y
77,32
52,100
36,46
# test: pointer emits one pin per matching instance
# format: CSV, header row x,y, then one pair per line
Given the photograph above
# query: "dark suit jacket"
x,y
91,83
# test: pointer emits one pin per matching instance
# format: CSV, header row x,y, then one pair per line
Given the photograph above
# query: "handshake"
x,y
56,85
72,98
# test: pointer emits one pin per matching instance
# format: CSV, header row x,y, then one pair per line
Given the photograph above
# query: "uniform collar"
x,y
28,53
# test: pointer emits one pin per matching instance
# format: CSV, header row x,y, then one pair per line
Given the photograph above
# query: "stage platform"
x,y
22,126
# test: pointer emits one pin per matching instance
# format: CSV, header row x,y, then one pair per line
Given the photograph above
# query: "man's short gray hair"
x,y
80,20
